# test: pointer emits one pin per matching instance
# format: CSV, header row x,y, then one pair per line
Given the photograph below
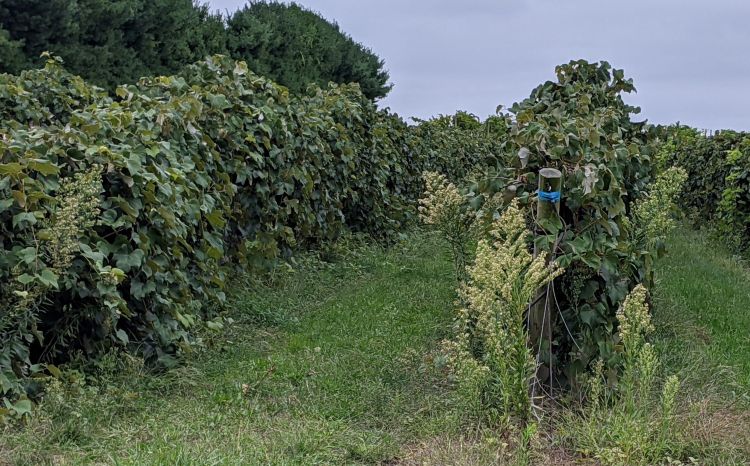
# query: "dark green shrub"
x,y
458,145
718,167
162,189
705,161
581,126
733,215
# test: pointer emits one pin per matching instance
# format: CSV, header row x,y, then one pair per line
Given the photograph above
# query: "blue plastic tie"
x,y
552,196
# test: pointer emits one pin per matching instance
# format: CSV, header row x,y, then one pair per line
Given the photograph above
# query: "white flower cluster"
x,y
641,361
490,357
652,214
444,207
442,204
77,209
635,320
630,423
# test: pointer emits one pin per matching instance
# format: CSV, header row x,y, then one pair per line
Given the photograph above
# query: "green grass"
x,y
702,304
327,365
338,364
701,309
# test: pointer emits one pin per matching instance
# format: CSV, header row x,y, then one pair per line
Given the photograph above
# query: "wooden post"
x,y
540,315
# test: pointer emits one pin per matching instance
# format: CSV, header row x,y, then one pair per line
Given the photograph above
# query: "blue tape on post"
x,y
553,196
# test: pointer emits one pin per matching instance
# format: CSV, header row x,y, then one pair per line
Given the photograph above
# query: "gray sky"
x,y
689,59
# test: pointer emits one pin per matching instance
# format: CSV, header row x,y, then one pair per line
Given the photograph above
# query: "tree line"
x,y
111,42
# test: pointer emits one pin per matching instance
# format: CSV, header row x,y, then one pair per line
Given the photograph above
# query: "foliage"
x,y
652,217
34,26
651,213
672,139
11,52
111,42
114,42
295,46
704,159
490,357
498,126
203,171
718,168
458,145
630,424
444,208
581,126
733,216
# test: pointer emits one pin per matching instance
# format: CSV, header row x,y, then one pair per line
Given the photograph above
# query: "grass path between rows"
x,y
702,305
324,367
331,365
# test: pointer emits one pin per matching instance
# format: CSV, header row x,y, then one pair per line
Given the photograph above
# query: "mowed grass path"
x,y
703,293
327,366
333,365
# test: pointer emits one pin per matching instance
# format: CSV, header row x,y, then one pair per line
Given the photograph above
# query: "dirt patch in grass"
x,y
473,449
711,422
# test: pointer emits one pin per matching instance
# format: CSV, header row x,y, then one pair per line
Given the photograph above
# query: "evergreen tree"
x,y
111,42
32,27
295,46
12,57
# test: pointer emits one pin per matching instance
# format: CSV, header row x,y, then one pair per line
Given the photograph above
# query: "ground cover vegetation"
x,y
177,213
165,187
718,167
495,372
339,361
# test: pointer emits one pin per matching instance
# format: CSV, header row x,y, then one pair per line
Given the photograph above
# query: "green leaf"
x,y
122,336
126,262
45,167
22,407
49,278
89,253
216,219
25,279
592,260
24,217
588,317
5,204
219,101
5,384
56,373
20,197
11,169
215,253
27,255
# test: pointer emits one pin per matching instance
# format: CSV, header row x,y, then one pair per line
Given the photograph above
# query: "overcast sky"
x,y
690,59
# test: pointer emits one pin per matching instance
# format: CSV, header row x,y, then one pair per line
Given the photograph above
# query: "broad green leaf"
x,y
22,407
57,373
44,167
122,336
11,169
216,219
49,278
24,217
25,278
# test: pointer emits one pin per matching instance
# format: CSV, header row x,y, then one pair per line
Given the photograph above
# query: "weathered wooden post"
x,y
540,316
